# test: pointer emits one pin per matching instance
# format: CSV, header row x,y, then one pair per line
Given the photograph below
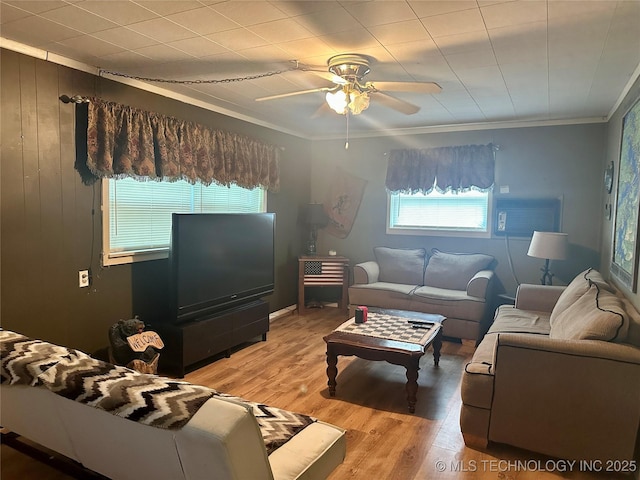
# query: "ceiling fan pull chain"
x,y
346,145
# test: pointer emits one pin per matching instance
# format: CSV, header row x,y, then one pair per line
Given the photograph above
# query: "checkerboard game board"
x,y
390,327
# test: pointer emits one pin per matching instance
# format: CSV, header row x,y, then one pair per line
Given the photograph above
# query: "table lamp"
x,y
550,246
315,218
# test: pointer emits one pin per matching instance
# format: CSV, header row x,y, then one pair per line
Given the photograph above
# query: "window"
x,y
452,214
136,216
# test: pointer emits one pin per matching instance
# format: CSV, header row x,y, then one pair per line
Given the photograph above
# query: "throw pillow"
x,y
399,265
596,277
596,315
454,270
576,289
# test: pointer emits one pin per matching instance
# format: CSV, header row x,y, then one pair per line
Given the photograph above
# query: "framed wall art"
x,y
625,241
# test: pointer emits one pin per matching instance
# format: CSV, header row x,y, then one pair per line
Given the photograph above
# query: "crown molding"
x,y
466,127
68,62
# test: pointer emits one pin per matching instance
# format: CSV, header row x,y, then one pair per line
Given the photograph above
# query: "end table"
x,y
323,271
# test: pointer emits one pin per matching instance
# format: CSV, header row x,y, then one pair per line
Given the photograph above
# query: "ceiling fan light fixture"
x,y
348,99
359,102
337,101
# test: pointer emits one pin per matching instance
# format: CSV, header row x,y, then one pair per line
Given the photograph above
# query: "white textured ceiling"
x,y
496,61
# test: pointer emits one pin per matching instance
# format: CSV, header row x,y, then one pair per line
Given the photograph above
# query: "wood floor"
x,y
384,441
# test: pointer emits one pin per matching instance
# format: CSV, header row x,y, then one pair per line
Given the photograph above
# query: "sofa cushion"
x,y
399,265
454,270
597,315
576,289
429,294
510,319
313,453
381,294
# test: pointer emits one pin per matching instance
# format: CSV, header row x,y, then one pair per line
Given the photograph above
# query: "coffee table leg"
x,y
412,384
332,371
437,344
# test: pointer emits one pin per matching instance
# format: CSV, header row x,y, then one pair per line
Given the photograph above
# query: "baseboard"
x,y
283,312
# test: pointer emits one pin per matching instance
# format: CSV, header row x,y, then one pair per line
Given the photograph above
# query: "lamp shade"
x,y
548,245
315,215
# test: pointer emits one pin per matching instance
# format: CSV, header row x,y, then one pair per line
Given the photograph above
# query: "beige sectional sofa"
x,y
558,374
457,286
86,410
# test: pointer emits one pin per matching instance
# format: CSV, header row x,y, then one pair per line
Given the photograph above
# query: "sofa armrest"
x,y
539,298
479,284
564,397
366,272
217,441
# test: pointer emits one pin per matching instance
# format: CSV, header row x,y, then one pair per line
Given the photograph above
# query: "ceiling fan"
x,y
351,94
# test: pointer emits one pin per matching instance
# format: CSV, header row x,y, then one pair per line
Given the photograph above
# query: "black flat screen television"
x,y
219,260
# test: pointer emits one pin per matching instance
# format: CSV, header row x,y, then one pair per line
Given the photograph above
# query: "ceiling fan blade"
x,y
322,109
291,94
395,103
327,76
417,87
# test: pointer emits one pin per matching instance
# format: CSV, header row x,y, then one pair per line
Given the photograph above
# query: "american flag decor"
x,y
321,273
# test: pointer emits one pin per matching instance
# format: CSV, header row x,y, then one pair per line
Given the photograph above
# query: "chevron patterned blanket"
x,y
277,426
148,399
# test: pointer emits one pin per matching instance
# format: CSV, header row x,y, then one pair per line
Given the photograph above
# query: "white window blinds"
x,y
448,212
137,215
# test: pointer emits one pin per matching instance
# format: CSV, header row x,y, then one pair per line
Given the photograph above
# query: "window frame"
x,y
424,231
109,258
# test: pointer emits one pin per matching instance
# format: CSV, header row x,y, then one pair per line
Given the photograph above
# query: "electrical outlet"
x,y
83,278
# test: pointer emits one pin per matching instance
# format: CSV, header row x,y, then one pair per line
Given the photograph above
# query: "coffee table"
x,y
388,336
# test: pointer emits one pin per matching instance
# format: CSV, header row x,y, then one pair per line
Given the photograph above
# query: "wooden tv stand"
x,y
191,343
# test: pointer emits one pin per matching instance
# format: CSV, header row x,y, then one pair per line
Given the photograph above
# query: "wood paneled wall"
x,y
51,224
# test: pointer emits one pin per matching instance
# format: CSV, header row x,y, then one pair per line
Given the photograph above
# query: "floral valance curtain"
x,y
127,142
458,169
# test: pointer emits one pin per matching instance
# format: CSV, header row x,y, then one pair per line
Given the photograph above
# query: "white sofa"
x,y
222,440
456,285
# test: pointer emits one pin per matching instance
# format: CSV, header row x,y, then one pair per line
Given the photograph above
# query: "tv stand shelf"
x,y
191,343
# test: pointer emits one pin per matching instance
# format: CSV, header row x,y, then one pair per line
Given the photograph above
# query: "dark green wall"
x,y
555,161
51,225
